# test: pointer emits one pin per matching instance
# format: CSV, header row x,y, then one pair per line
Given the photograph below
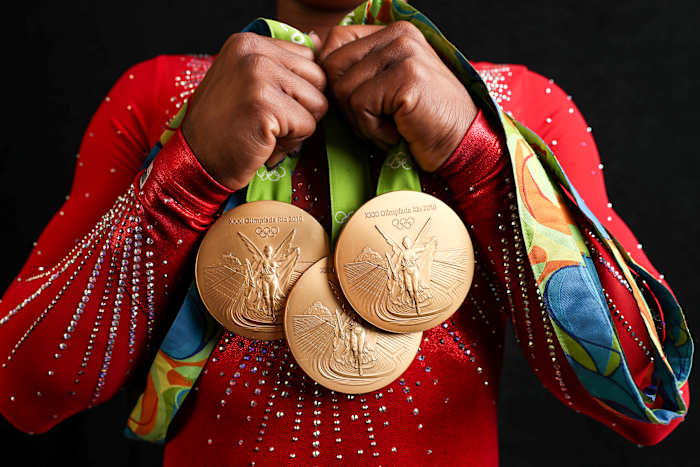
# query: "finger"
x,y
306,94
295,57
296,123
374,63
305,68
341,59
292,47
278,154
342,35
316,41
371,106
276,157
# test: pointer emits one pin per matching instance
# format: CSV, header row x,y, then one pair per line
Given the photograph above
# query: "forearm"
x,y
72,333
481,181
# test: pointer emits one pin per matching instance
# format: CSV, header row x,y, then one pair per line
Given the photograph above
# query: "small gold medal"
x,y
333,345
405,261
250,259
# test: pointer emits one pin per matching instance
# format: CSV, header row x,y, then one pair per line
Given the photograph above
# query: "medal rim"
x,y
379,383
238,330
370,317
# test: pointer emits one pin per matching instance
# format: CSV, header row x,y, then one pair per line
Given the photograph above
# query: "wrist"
x,y
176,181
477,155
459,132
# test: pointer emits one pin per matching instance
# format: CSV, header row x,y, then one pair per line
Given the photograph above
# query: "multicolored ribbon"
x,y
561,263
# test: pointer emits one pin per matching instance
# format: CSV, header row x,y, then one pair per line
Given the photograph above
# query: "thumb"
x,y
316,41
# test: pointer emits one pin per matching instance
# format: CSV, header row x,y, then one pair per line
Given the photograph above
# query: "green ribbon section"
x,y
288,33
399,171
274,183
348,172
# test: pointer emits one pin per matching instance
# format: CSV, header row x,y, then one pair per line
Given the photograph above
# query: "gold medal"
x,y
250,259
333,345
405,261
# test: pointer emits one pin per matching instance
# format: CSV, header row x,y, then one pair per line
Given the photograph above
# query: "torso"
x,y
254,405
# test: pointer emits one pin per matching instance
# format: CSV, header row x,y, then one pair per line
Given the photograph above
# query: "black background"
x,y
630,66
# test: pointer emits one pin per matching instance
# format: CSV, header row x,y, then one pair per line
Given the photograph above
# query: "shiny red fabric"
x,y
74,333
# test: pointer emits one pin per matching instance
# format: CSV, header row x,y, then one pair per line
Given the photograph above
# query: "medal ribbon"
x,y
348,172
587,336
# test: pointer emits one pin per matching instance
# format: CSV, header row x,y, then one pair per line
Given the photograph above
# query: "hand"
x,y
259,100
389,82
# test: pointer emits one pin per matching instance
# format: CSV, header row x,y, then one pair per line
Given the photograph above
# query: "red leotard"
x,y
109,271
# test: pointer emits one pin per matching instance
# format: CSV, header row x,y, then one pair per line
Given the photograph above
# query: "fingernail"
x,y
315,39
276,164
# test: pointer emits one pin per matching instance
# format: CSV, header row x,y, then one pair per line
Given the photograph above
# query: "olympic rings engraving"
x,y
271,175
267,232
403,222
400,160
341,217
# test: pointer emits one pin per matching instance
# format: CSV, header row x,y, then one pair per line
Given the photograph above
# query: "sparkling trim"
x,y
494,78
116,310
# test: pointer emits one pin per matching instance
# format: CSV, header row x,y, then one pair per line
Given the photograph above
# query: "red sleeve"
x,y
80,314
551,113
479,175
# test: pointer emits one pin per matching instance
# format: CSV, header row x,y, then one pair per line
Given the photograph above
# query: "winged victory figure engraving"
x,y
343,347
256,287
411,280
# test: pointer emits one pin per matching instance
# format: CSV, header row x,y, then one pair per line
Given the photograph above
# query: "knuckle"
x,y
323,107
242,43
410,68
336,32
307,126
321,79
260,98
320,108
409,96
404,43
266,128
405,28
334,40
255,64
332,69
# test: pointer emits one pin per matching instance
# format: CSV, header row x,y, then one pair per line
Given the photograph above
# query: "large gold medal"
x,y
250,259
405,261
336,347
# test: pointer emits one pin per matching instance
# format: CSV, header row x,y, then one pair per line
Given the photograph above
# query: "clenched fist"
x,y
389,82
259,100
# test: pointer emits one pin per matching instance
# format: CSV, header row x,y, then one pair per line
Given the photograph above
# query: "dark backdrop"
x,y
630,65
